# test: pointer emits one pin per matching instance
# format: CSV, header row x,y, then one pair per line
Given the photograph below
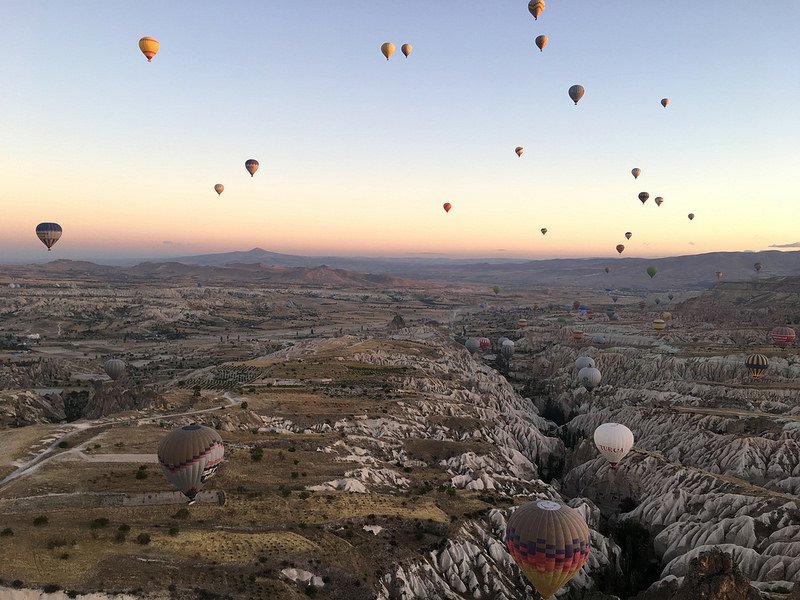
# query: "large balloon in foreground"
x,y
691,216
614,441
652,271
406,49
387,49
643,196
114,368
447,206
149,47
519,150
549,541
628,235
251,164
219,188
620,248
636,172
782,337
756,364
576,93
541,42
189,456
665,102
659,200
589,377
49,233
535,7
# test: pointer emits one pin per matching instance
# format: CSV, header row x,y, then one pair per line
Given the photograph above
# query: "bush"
x,y
50,588
7,532
295,474
121,536
56,543
173,531
256,453
143,539
124,528
99,523
304,494
40,520
63,444
244,405
291,449
141,474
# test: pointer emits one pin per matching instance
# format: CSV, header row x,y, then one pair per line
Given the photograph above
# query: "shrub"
x,y
99,523
256,453
50,588
63,444
143,539
7,532
120,536
124,528
141,474
244,405
295,474
173,531
40,520
56,543
291,449
183,513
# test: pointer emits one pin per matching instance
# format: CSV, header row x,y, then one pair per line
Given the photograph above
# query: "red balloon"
x,y
447,206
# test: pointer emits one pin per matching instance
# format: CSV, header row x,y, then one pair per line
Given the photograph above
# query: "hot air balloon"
x,y
484,343
652,271
522,323
719,275
659,325
507,350
251,164
643,196
607,269
549,541
543,230
472,344
614,299
49,233
658,301
599,340
535,7
576,93
541,42
666,315
584,361
189,456
756,364
519,150
659,200
149,47
613,441
628,235
219,188
757,267
447,206
670,295
406,49
387,49
665,102
500,341
691,216
114,368
496,289
576,305
642,304
577,335
589,377
620,248
782,336
636,172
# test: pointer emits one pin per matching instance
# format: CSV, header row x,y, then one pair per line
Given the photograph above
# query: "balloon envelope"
x,y
543,230
519,150
114,368
782,336
659,325
219,188
620,248
447,206
757,267
541,42
535,7
584,361
636,172
576,93
628,235
659,200
49,233
589,377
691,216
549,541
473,344
251,164
652,271
149,47
665,102
643,196
756,364
387,49
406,49
613,441
189,456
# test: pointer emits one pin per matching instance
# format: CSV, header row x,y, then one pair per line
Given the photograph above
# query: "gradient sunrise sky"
x,y
358,154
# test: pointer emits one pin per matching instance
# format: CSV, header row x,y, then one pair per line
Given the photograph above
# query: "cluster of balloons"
x,y
387,49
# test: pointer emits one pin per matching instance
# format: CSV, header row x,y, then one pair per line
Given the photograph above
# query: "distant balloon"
x,y
608,269
628,235
670,295
49,233
149,47
387,49
620,248
541,42
599,340
576,305
652,271
659,325
485,343
757,267
519,150
643,196
584,361
447,206
636,172
589,377
613,441
251,164
666,315
114,368
719,275
472,344
576,93
691,216
406,49
219,188
577,335
540,531
657,301
665,102
543,230
782,337
522,323
496,289
756,364
614,299
189,456
535,7
659,200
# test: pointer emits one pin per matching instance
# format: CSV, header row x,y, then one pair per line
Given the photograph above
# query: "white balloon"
x,y
583,362
589,377
614,441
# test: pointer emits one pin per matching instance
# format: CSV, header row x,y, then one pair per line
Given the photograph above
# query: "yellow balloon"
x,y
149,47
406,49
387,49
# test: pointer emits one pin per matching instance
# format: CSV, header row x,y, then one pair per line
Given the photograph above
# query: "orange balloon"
x,y
620,248
541,42
447,206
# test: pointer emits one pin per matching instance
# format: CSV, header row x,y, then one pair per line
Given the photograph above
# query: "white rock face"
x,y
301,576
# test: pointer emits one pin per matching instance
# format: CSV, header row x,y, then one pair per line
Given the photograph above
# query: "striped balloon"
x,y
577,335
549,541
535,7
659,325
756,364
782,337
251,164
49,233
189,456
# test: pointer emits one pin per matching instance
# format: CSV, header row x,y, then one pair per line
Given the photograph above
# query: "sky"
x,y
358,154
